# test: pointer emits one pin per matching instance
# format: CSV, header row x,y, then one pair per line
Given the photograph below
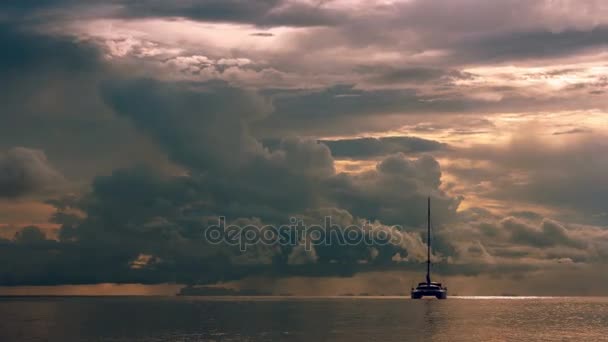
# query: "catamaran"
x,y
429,288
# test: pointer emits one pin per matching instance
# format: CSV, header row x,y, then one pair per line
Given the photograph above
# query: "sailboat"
x,y
429,288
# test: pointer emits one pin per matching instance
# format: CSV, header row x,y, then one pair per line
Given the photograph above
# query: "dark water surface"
x,y
302,319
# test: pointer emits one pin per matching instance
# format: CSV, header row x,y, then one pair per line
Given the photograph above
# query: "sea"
x,y
303,319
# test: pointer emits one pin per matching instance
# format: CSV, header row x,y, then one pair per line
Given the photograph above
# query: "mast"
x,y
428,243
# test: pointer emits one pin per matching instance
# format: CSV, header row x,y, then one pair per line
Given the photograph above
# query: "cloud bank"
x,y
137,123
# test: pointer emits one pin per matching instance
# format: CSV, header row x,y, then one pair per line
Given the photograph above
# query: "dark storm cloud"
x,y
129,213
25,171
140,225
258,12
472,31
13,9
529,238
345,100
368,148
362,148
134,211
143,224
550,233
568,176
343,109
481,32
138,212
489,35
412,75
226,10
348,110
534,44
27,52
204,127
35,68
29,235
394,193
200,125
50,101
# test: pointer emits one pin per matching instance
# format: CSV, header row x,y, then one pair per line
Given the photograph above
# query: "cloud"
x,y
344,109
262,34
413,75
199,125
362,44
262,13
328,101
528,239
30,235
551,233
305,166
394,192
214,100
139,212
566,173
536,44
362,148
41,73
203,127
26,171
573,131
206,129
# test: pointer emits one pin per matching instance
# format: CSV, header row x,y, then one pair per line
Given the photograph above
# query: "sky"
x,y
127,127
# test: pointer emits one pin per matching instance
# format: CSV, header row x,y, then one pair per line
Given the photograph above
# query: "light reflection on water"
x,y
303,319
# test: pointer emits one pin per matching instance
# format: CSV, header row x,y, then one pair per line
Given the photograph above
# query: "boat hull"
x,y
439,294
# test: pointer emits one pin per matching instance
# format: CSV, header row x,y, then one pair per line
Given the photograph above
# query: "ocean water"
x,y
302,319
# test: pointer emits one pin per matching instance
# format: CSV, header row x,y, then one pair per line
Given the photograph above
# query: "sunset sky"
x,y
126,126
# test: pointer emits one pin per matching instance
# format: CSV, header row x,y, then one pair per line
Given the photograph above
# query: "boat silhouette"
x,y
429,288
